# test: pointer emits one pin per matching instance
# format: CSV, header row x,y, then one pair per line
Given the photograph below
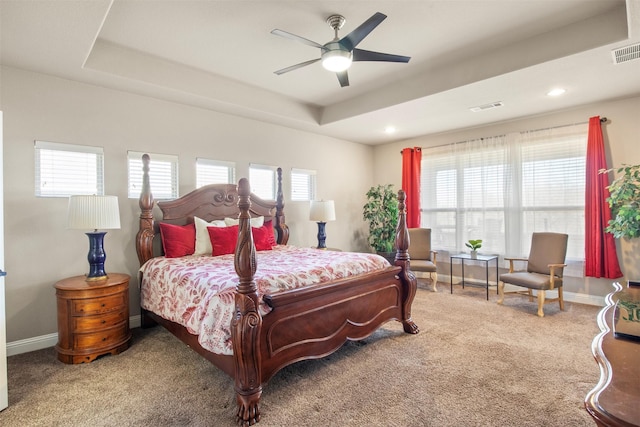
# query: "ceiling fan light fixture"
x,y
338,54
336,60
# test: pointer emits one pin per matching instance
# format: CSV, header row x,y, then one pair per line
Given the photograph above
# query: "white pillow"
x,y
203,241
255,222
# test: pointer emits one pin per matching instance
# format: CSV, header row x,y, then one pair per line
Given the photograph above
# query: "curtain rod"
x,y
602,120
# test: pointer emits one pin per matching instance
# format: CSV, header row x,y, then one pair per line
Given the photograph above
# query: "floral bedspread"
x,y
198,292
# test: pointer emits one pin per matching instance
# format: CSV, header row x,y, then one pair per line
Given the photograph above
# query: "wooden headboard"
x,y
214,201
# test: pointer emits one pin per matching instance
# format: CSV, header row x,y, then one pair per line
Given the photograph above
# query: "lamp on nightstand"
x,y
322,211
93,213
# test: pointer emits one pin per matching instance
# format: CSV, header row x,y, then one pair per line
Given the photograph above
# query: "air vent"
x,y
626,54
487,106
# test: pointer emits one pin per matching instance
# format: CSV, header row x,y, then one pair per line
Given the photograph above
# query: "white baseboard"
x,y
567,296
31,344
584,299
49,340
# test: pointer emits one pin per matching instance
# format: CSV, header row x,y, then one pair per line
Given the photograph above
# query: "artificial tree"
x,y
381,210
624,200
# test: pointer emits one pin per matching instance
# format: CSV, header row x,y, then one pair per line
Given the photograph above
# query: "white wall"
x,y
39,248
622,139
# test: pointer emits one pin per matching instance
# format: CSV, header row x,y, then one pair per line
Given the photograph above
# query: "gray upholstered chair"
x,y
423,259
544,269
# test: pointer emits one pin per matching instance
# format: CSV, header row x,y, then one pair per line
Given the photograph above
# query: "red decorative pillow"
x,y
178,240
223,239
263,237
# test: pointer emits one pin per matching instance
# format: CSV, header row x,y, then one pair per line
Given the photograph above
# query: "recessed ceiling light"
x,y
556,92
390,129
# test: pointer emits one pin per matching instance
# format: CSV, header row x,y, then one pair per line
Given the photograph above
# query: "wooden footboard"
x,y
304,323
309,322
313,324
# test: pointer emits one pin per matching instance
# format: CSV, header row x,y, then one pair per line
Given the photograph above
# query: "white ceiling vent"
x,y
487,106
626,54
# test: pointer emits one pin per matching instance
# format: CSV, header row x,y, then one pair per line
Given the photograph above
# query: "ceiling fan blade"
x,y
367,55
295,67
343,78
287,35
352,39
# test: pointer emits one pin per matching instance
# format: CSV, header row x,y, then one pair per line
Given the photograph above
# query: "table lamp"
x,y
322,211
93,213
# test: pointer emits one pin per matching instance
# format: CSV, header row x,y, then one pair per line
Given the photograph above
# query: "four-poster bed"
x,y
270,330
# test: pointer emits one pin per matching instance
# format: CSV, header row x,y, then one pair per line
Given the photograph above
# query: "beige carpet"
x,y
474,363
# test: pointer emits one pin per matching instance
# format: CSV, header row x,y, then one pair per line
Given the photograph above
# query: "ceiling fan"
x,y
338,54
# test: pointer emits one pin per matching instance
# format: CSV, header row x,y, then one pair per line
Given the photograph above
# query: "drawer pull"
x,y
104,338
103,321
103,304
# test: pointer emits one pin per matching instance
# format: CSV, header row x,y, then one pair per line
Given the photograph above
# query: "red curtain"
x,y
411,162
601,259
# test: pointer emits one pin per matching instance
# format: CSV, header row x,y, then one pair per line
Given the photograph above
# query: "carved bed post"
x,y
144,238
403,260
246,322
281,227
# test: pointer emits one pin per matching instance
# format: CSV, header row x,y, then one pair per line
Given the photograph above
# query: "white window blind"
x,y
63,170
262,179
462,192
553,185
303,185
502,189
214,172
163,175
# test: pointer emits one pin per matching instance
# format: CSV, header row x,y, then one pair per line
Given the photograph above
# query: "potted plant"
x,y
474,245
381,210
624,200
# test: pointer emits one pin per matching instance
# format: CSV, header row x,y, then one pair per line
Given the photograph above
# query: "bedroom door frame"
x,y
4,391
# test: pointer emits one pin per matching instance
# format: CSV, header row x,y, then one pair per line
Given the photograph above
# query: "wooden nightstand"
x,y
93,317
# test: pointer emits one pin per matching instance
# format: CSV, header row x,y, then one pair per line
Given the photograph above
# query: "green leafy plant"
x,y
474,245
624,200
381,210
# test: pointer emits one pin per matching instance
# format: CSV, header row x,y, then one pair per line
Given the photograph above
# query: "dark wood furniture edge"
x,y
254,360
73,290
600,415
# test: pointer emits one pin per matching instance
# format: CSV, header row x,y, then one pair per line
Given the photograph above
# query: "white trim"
x,y
61,146
211,162
155,157
584,298
576,297
31,344
45,341
50,340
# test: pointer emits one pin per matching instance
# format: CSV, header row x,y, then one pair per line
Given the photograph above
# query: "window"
x,y
303,185
263,181
63,170
502,189
163,175
214,172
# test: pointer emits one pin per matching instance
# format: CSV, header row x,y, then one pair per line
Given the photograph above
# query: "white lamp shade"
x,y
93,212
322,211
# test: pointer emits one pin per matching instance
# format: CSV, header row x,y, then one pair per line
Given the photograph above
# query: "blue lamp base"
x,y
96,256
322,236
